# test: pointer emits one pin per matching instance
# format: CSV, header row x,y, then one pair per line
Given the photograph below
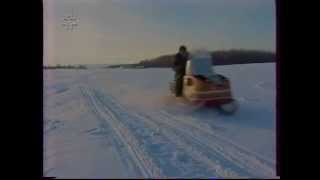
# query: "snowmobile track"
x,y
247,160
198,142
179,140
116,109
216,135
146,166
255,164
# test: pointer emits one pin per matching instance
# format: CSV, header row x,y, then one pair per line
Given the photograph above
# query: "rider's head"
x,y
182,49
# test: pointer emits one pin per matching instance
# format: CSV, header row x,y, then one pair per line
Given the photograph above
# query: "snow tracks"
x,y
160,144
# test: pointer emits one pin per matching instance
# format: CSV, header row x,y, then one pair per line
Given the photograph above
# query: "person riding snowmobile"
x,y
179,66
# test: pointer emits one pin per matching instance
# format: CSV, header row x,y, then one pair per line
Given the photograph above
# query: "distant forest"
x,y
218,58
65,67
221,57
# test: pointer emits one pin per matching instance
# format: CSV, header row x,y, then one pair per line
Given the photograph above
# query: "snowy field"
x,y
123,123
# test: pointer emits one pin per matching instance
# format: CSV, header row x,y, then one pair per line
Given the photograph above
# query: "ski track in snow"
x,y
208,152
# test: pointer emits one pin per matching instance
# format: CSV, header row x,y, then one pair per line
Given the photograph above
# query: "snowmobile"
x,y
202,86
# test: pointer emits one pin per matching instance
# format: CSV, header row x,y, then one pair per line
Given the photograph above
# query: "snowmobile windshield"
x,y
200,64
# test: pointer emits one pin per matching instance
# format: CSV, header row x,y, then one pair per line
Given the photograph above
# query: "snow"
x,y
123,123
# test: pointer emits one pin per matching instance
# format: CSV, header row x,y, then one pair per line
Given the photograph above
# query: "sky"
x,y
128,31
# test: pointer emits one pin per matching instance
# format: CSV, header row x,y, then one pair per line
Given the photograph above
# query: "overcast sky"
x,y
124,31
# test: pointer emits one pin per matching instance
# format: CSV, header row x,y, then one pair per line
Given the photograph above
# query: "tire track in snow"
x,y
255,163
195,149
182,140
105,126
180,135
146,166
167,148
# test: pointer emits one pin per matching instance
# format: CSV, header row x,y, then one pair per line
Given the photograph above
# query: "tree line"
x,y
221,57
58,66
